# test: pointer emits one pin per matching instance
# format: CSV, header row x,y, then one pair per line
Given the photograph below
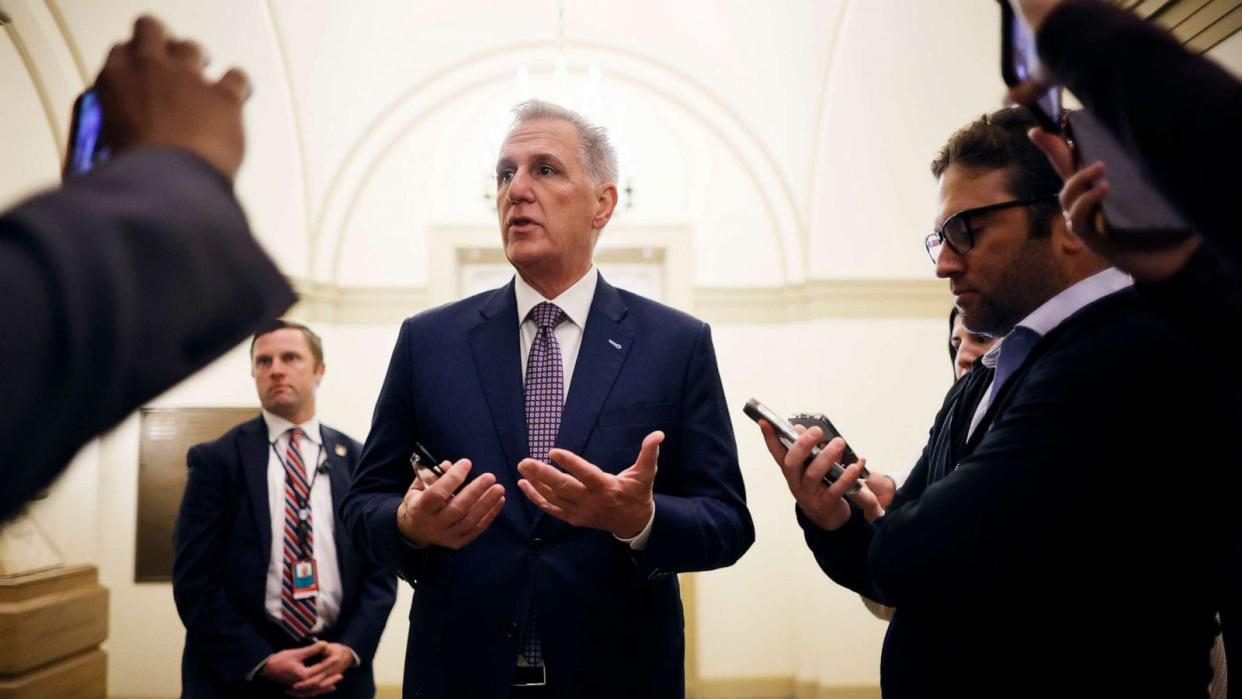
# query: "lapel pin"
x,y
340,450
615,344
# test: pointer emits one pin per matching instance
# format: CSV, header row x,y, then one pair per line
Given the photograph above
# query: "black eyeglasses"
x,y
957,232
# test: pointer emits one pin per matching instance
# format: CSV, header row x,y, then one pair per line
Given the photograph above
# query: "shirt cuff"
x,y
357,660
638,542
250,676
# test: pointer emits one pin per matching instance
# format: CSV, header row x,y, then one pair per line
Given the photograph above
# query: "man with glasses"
x,y
1041,546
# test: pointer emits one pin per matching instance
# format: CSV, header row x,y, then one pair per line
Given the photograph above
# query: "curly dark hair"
x,y
999,141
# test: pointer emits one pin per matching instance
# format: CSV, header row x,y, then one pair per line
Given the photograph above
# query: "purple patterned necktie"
x,y
545,393
545,396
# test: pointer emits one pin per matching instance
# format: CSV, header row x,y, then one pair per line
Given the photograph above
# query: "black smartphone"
x,y
1020,62
809,420
1134,210
421,458
788,435
88,146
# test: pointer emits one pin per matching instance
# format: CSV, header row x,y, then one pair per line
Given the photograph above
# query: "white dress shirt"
x,y
576,303
328,603
1051,314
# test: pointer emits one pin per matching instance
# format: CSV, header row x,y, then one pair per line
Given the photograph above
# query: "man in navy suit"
x,y
274,597
587,431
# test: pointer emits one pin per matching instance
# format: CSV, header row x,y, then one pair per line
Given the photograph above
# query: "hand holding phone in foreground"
x,y
823,504
153,93
1080,197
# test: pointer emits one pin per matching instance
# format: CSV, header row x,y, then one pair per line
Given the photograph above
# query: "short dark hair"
x,y
998,141
316,344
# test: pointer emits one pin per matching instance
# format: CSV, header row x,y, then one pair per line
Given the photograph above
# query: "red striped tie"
x,y
298,615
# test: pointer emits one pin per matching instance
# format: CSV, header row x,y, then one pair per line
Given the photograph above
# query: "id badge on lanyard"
x,y
305,579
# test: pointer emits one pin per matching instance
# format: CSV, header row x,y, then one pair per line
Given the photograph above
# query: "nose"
x,y
948,263
520,187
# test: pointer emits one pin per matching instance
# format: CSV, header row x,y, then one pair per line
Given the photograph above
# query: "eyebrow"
x,y
534,157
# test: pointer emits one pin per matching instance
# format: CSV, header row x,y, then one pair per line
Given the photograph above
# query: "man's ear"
x,y
1063,238
605,205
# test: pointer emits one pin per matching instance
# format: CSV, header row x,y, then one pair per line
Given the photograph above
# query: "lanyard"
x,y
302,503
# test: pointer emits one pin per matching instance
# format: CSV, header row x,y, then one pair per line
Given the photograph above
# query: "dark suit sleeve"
x,y
701,519
1047,467
1177,112
220,635
379,592
113,288
383,475
843,553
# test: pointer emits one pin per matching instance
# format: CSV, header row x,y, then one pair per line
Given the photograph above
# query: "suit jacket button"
x,y
511,630
536,545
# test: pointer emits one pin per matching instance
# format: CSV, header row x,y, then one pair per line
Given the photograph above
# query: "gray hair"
x,y
598,156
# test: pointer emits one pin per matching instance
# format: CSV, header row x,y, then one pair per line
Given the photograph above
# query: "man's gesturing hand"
x,y
434,515
586,496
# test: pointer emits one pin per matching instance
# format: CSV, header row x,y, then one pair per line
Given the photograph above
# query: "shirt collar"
x,y
1065,304
277,426
574,301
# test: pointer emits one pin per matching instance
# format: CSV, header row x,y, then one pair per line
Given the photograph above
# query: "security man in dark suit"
x,y
274,597
1041,546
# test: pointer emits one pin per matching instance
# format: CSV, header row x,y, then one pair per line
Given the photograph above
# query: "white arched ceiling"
x,y
692,165
761,64
906,75
28,137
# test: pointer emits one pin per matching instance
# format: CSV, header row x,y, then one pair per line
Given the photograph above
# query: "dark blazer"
x,y
610,619
223,544
1077,544
95,281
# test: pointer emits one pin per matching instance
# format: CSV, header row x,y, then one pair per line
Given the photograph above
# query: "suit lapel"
x,y
254,448
497,352
605,345
337,450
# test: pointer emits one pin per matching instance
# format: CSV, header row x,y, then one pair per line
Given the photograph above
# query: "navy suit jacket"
x,y
610,619
223,545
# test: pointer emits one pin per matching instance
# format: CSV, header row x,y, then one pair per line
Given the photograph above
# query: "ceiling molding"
x,y
63,27
814,300
60,140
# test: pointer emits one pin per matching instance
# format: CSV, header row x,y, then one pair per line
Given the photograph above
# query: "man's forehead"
x,y
960,188
283,340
